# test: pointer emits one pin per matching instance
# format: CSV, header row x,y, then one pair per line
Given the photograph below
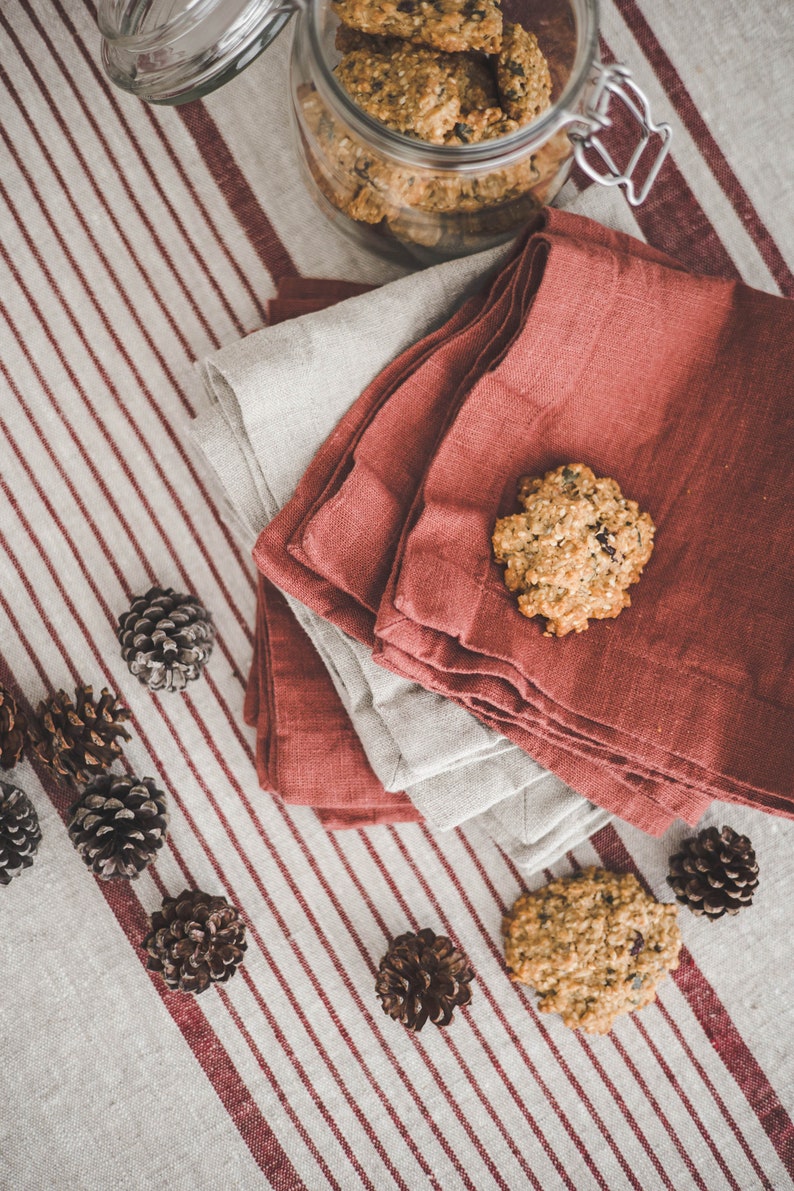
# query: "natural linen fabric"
x,y
530,375
307,750
681,388
277,397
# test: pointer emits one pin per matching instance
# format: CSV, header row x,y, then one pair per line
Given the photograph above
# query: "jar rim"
x,y
502,150
194,49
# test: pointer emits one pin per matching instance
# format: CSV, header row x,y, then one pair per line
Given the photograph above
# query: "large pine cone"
x,y
166,638
118,824
715,872
196,940
422,977
13,729
20,833
79,740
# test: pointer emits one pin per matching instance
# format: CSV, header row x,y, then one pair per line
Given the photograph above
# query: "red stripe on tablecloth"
x,y
120,457
236,189
55,227
698,1066
305,905
496,953
243,1108
707,145
111,502
671,217
256,1051
713,1145
621,1050
253,930
500,1016
101,79
282,924
715,1021
184,1009
60,119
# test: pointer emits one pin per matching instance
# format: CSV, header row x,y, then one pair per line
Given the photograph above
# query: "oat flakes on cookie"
x,y
593,945
574,550
522,75
451,25
410,90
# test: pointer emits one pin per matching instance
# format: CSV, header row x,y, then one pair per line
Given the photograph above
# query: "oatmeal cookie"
x,y
522,74
593,945
483,125
346,40
574,550
411,90
476,82
451,25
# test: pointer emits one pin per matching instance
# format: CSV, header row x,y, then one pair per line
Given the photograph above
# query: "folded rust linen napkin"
x,y
588,347
274,398
307,750
681,388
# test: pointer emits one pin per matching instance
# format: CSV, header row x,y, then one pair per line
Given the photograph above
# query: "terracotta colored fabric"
x,y
306,748
588,346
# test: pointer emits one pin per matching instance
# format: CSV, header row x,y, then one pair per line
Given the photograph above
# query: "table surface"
x,y
133,242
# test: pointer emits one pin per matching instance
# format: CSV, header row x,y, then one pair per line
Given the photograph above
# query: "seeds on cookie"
x,y
411,90
522,74
593,945
451,25
574,550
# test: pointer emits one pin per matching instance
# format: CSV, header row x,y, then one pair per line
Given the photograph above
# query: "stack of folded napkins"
x,y
368,450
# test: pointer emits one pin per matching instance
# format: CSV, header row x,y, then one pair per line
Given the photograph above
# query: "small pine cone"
x,y
78,740
423,977
13,728
715,872
118,824
166,638
20,833
196,940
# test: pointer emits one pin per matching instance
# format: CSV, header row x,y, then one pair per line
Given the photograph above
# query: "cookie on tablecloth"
x,y
593,945
574,550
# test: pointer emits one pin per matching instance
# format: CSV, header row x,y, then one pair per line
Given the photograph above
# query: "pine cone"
x,y
715,873
166,638
77,740
118,824
20,833
13,728
423,977
196,940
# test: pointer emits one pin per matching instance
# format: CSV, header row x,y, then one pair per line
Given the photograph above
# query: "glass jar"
x,y
392,192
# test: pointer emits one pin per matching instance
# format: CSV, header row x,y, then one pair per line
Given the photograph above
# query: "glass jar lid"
x,y
172,51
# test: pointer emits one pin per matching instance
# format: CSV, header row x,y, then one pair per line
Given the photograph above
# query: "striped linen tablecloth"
x,y
133,242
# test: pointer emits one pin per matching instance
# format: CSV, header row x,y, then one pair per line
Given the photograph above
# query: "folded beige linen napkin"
x,y
275,397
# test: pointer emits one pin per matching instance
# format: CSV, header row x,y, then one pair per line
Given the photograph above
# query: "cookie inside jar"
x,y
461,80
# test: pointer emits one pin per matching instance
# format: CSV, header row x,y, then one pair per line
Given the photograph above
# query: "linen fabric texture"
x,y
587,346
277,396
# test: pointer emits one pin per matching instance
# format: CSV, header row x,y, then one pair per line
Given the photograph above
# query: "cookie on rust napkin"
x,y
679,387
334,543
268,413
343,579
